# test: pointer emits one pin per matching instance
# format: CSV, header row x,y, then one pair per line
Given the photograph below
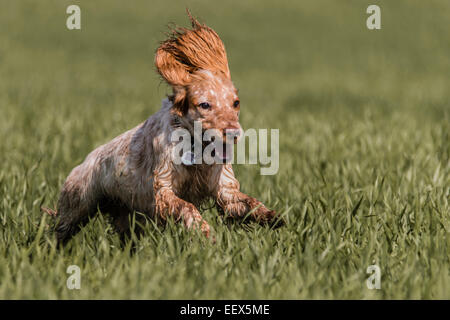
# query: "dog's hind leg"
x,y
76,204
120,216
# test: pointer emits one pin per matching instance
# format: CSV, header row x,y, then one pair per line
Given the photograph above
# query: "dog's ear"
x,y
176,74
180,103
174,71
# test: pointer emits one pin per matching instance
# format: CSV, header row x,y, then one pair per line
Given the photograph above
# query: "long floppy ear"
x,y
169,67
175,74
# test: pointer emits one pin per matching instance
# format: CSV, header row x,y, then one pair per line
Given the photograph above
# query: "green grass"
x,y
364,178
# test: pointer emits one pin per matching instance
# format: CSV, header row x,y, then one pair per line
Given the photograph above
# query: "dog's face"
x,y
194,62
213,100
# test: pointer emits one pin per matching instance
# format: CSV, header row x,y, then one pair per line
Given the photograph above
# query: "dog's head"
x,y
194,62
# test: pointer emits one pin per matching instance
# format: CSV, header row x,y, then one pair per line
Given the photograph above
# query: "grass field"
x,y
364,177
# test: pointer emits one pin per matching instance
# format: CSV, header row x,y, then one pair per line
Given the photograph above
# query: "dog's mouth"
x,y
215,151
223,153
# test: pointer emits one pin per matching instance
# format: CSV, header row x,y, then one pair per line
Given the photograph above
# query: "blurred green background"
x,y
364,148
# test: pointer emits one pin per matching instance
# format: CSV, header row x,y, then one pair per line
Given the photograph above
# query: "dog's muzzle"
x,y
232,135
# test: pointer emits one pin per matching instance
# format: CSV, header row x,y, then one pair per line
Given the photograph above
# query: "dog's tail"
x,y
49,211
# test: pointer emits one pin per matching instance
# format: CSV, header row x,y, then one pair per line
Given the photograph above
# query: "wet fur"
x,y
135,172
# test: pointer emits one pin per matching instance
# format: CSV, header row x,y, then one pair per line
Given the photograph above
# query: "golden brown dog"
x,y
135,171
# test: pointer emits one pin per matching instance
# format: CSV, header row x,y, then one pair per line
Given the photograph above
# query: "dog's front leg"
x,y
167,203
236,204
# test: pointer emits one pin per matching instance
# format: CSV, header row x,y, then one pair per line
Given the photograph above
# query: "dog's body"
x,y
135,171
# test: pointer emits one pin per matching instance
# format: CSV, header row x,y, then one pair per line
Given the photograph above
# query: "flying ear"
x,y
188,50
174,73
172,70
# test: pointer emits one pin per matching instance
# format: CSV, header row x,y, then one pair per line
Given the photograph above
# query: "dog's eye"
x,y
236,104
204,105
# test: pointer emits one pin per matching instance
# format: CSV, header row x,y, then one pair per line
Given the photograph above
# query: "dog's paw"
x,y
268,217
277,221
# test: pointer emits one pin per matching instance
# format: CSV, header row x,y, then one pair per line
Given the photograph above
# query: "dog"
x,y
135,172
